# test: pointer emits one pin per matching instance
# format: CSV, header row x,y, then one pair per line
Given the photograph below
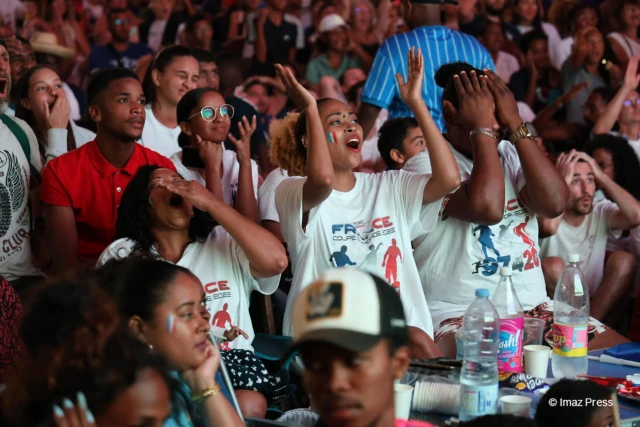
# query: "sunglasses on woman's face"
x,y
628,103
209,114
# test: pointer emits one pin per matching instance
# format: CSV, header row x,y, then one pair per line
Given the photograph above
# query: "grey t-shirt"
x,y
572,76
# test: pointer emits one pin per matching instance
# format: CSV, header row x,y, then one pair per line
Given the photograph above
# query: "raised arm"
x,y
246,202
265,253
62,237
565,165
211,154
545,191
319,183
481,199
445,173
608,119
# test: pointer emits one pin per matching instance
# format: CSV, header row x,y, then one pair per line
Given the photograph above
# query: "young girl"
x,y
173,73
165,217
333,217
204,120
527,18
43,104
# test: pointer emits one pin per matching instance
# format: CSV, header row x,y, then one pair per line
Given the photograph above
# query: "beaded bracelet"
x,y
206,393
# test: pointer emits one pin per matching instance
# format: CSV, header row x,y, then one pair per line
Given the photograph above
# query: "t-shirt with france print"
x,y
369,227
15,217
224,271
458,257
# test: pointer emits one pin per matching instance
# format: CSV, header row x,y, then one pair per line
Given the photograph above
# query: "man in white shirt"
x,y
584,229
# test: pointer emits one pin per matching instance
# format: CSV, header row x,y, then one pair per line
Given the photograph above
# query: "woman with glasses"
x,y
163,216
231,176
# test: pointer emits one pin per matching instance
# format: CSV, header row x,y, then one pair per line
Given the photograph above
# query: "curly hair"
x,y
74,342
134,221
287,150
626,165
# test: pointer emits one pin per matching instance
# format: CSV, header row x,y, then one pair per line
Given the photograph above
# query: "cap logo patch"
x,y
325,300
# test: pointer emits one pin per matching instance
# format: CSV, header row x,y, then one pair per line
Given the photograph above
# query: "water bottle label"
x,y
510,345
479,400
570,340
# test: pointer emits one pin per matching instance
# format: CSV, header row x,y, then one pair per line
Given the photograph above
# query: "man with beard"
x,y
21,58
81,189
119,52
20,165
584,229
353,339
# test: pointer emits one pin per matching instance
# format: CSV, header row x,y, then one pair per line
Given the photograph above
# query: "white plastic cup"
x,y
536,360
403,393
516,405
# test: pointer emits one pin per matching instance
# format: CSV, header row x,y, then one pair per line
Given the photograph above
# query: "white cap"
x,y
573,257
331,22
505,271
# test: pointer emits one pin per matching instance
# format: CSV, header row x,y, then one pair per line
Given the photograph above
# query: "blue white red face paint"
x,y
171,323
331,136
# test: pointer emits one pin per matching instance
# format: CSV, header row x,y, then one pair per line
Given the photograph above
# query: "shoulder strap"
x,y
115,53
22,138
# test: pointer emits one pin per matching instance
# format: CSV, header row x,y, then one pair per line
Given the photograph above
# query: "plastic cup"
x,y
536,360
533,331
516,405
403,393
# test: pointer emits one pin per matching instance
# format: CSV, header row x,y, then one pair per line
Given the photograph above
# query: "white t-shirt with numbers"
x,y
224,271
369,227
589,240
458,257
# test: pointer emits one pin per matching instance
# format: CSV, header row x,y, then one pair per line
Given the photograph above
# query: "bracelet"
x,y
206,393
484,131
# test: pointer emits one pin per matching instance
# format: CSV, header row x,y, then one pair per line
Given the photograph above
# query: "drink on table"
x,y
570,322
479,376
511,315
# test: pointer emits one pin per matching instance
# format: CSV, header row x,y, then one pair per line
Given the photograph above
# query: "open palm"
x,y
631,77
412,89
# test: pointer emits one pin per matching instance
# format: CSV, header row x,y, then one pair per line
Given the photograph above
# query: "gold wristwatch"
x,y
525,130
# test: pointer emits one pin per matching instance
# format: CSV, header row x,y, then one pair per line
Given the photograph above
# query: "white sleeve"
x,y
120,249
420,218
603,210
56,144
289,206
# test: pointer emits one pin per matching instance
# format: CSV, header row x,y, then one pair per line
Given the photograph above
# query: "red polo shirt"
x,y
83,180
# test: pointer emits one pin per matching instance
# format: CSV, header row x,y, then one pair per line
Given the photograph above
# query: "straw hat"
x,y
42,42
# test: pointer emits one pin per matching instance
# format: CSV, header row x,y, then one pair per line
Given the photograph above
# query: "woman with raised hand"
x,y
332,216
166,217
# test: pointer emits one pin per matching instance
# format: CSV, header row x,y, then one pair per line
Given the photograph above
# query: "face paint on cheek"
x,y
171,323
331,136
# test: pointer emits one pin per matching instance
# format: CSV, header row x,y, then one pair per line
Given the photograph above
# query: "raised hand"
x,y
477,107
243,145
631,76
597,172
234,333
58,116
566,163
506,105
411,91
302,98
210,152
569,95
73,415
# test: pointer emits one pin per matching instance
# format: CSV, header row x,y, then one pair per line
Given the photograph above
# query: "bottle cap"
x,y
505,271
573,258
482,293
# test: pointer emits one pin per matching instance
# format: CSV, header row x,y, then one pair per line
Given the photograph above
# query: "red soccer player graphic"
x,y
389,259
531,254
396,287
220,319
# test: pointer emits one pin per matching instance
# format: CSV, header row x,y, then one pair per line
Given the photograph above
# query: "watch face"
x,y
531,130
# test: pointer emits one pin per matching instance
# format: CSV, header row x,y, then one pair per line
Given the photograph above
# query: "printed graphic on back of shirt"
x,y
13,189
506,242
359,243
216,292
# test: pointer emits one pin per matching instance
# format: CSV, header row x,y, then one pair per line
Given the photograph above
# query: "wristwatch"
x,y
525,130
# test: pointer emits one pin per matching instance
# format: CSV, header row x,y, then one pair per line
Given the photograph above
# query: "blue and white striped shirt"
x,y
440,45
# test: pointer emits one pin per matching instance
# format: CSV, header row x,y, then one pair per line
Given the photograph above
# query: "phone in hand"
x,y
191,158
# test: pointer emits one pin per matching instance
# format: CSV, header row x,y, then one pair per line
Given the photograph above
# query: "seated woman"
x,y
232,176
165,217
333,217
43,104
81,368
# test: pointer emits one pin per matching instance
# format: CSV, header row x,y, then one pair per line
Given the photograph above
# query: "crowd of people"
x,y
161,160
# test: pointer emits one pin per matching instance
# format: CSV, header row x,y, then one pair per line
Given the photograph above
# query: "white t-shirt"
x,y
224,271
630,46
369,227
230,171
57,140
16,259
589,240
561,51
156,32
506,65
158,137
267,195
458,257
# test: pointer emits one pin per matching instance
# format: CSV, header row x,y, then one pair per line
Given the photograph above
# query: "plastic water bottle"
x,y
570,322
479,376
511,315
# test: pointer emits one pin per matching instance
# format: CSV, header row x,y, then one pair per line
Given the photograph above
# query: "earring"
x,y
150,347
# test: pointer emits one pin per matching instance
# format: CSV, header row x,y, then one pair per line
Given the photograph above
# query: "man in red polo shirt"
x,y
81,189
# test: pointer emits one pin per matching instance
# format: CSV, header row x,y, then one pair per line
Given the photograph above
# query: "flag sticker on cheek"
x,y
171,323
